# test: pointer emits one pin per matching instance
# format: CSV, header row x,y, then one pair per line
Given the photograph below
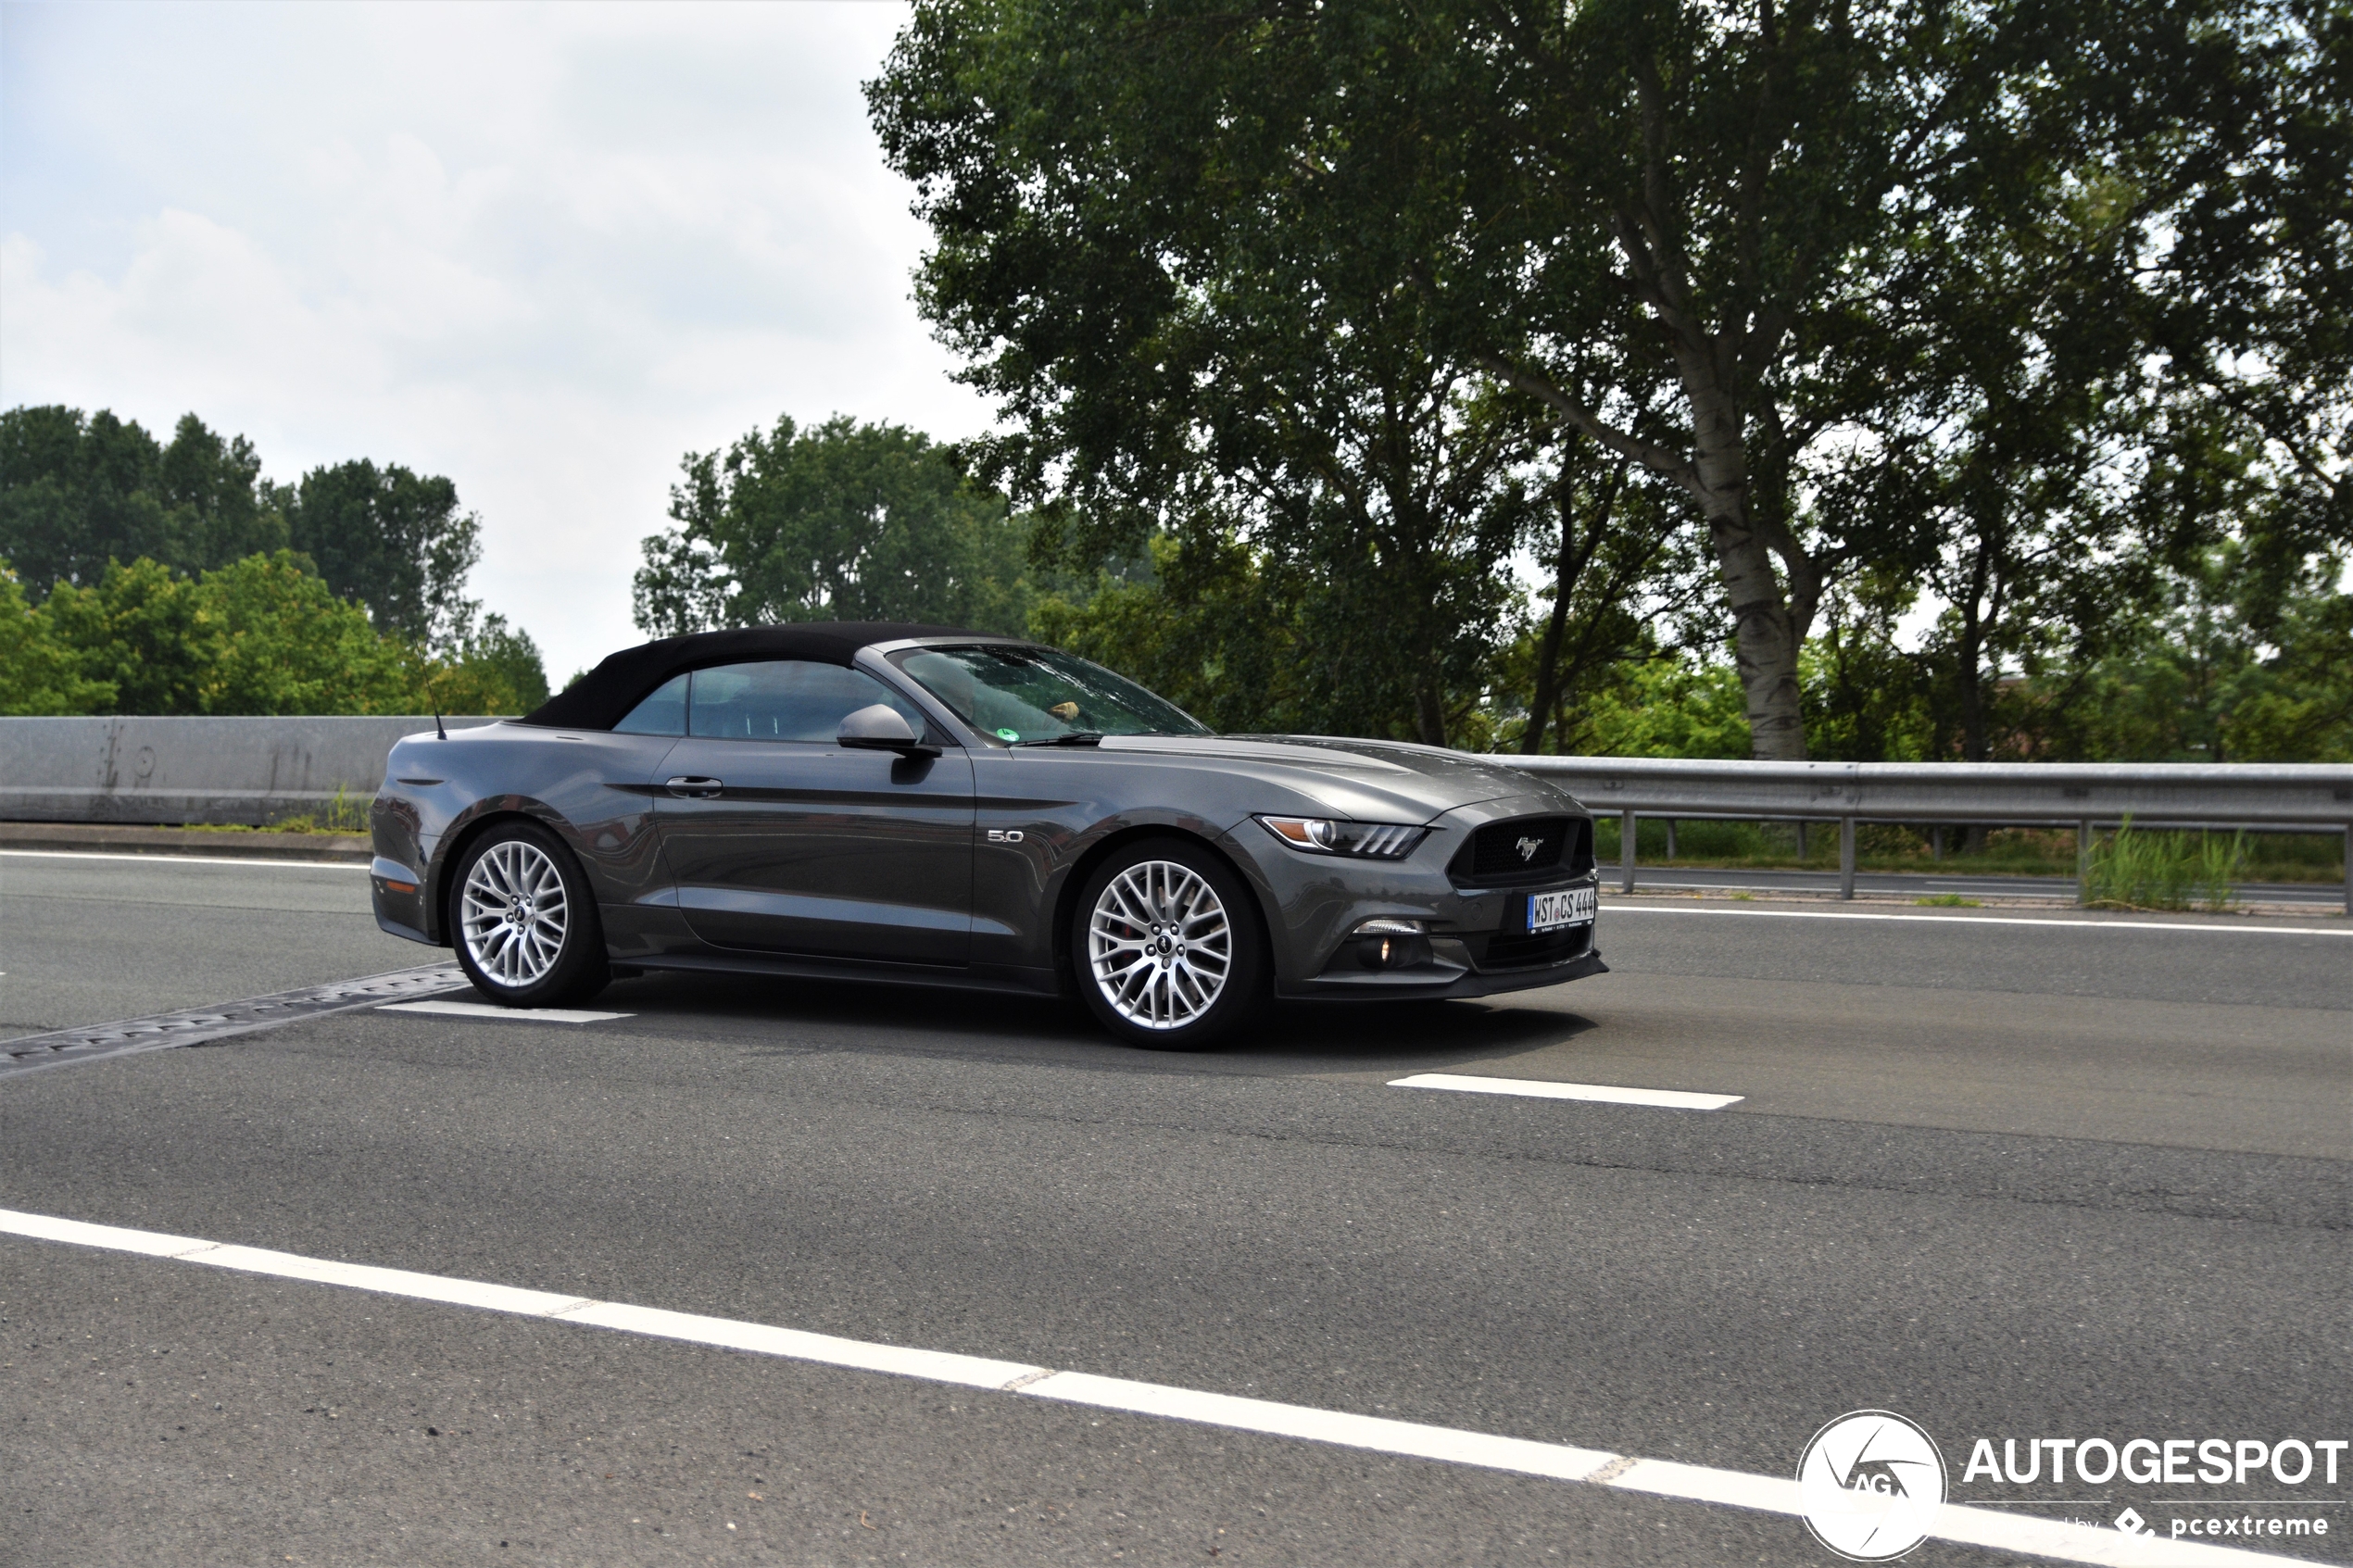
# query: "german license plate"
x,y
1550,911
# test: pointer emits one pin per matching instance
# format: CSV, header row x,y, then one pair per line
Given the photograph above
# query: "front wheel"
x,y
524,920
1167,947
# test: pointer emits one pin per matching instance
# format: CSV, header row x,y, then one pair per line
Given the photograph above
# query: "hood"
x,y
1367,780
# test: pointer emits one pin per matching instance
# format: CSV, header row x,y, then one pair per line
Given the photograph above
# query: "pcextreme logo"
x,y
1870,1485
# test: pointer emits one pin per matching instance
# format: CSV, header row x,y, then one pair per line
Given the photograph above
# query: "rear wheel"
x,y
1166,946
524,920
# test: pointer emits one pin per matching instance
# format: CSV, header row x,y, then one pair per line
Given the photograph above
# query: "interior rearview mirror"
x,y
883,728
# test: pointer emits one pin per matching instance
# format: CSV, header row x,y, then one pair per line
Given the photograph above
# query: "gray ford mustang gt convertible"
x,y
916,803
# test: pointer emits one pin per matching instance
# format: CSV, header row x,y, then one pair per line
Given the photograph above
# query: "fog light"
x,y
1391,943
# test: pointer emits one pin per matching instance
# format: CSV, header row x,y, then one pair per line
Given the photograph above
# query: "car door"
x,y
783,841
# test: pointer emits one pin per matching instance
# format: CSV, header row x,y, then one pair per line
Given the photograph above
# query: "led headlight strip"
x,y
1325,836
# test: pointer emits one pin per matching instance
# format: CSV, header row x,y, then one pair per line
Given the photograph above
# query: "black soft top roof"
x,y
603,697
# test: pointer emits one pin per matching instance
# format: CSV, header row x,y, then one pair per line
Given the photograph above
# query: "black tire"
x,y
1149,981
527,960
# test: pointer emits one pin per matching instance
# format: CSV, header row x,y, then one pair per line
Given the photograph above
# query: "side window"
x,y
663,713
786,699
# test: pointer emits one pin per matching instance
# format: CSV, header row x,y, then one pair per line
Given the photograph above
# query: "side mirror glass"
x,y
883,728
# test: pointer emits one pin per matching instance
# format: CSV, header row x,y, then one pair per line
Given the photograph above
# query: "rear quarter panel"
x,y
592,790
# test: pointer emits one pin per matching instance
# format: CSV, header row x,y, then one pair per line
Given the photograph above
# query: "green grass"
x,y
1889,846
345,813
1948,901
2131,870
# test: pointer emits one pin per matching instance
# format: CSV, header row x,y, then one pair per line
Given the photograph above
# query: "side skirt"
x,y
998,978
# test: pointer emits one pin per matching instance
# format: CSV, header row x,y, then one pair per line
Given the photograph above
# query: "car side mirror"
x,y
882,728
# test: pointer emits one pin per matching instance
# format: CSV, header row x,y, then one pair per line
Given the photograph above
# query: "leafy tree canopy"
x,y
393,540
262,635
78,491
239,594
1211,261
840,521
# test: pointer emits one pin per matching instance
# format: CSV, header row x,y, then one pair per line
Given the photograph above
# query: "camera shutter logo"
x,y
1870,1485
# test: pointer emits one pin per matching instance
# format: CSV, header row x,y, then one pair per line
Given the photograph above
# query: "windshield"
x,y
1025,696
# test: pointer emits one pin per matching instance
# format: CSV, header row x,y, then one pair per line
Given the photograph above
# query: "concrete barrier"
x,y
249,771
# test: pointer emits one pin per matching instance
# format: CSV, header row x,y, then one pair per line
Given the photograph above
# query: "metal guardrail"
x,y
2314,798
259,771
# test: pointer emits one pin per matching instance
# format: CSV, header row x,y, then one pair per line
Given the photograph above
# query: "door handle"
x,y
691,786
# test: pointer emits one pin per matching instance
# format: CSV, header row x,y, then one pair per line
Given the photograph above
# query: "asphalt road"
x,y
2318,896
2015,1177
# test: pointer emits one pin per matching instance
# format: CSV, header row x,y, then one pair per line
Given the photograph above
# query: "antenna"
x,y
439,733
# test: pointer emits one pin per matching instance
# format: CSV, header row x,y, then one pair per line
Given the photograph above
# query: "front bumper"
x,y
1448,975
1475,947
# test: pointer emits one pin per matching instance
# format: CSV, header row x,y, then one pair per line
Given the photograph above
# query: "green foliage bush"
x,y
260,635
39,673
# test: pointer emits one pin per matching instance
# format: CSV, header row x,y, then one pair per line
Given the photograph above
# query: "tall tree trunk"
x,y
1429,711
1968,672
1765,632
1969,676
1548,647
1769,623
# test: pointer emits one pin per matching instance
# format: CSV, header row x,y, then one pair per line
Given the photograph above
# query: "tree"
x,y
842,521
1778,185
39,674
1699,233
488,667
2246,289
1625,587
1194,342
2234,669
136,631
391,539
77,492
280,640
264,635
1216,627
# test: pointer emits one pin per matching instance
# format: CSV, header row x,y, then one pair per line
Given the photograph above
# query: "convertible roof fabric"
x,y
603,697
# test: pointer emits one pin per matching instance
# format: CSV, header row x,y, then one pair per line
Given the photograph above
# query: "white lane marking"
x,y
1413,1439
1617,908
489,1010
1667,1478
1539,1088
935,1366
171,859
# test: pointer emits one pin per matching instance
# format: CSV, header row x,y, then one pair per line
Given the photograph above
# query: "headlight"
x,y
1368,841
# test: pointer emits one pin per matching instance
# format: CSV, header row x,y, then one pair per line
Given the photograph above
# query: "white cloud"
x,y
544,251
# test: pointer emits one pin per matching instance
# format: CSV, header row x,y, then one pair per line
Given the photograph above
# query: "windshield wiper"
x,y
1073,737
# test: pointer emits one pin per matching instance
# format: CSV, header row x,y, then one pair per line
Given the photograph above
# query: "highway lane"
x,y
85,939
2321,897
989,1178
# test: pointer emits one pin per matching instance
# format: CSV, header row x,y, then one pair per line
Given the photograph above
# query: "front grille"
x,y
1523,849
1526,952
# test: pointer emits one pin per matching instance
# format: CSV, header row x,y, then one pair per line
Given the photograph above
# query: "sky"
x,y
545,251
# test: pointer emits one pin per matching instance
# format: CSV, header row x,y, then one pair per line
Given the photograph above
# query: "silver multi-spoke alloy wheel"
x,y
1160,944
515,913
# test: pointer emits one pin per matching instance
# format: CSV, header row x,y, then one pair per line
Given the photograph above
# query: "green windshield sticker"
x,y
1009,734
